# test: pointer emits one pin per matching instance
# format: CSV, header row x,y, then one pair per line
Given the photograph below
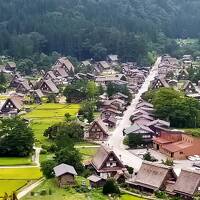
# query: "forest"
x,y
133,29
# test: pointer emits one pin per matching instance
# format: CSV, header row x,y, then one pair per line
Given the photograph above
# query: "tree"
x,y
111,187
25,66
130,169
91,90
51,98
133,140
87,110
16,137
174,106
47,168
2,78
72,130
147,156
110,89
70,156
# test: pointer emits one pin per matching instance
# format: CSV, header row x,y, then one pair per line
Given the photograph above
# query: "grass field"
x,y
31,173
10,186
70,193
87,153
45,115
64,194
12,179
14,161
129,197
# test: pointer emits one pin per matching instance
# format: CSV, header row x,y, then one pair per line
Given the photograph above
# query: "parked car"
x,y
194,158
196,164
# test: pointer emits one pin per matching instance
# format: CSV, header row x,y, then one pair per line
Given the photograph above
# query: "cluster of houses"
x,y
47,84
111,109
63,73
174,73
150,178
144,123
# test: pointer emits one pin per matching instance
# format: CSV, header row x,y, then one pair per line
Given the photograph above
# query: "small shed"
x,y
96,181
65,175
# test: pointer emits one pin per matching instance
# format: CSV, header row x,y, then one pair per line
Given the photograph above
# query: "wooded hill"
x,y
95,28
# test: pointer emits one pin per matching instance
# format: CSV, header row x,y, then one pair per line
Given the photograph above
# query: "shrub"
x,y
168,162
43,192
32,193
43,151
47,168
130,169
50,191
160,194
111,187
147,156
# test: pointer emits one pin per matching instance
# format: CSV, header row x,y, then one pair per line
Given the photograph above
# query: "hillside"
x,y
94,28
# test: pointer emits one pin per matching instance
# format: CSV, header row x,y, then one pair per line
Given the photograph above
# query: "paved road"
x,y
116,139
28,189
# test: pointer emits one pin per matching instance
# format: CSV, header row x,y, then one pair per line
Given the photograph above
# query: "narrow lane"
x,y
116,139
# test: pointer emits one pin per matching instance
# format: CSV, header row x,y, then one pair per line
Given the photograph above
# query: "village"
x,y
128,138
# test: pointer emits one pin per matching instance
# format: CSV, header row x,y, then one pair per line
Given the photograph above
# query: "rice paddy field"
x,y
14,161
13,179
45,115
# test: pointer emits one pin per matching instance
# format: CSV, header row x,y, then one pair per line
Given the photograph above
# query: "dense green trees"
x,y
90,28
64,136
133,140
16,137
174,106
111,187
72,130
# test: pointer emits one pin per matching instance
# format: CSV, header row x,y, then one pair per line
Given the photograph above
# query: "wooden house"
x,y
37,96
50,75
189,87
119,95
60,71
157,124
183,74
107,113
65,175
112,58
144,104
23,87
16,79
86,63
10,66
153,177
11,106
96,181
140,112
106,163
142,119
97,131
48,87
158,83
145,132
103,65
111,121
117,104
187,184
65,62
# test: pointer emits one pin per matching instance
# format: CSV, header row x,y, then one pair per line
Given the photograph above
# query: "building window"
x,y
107,164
